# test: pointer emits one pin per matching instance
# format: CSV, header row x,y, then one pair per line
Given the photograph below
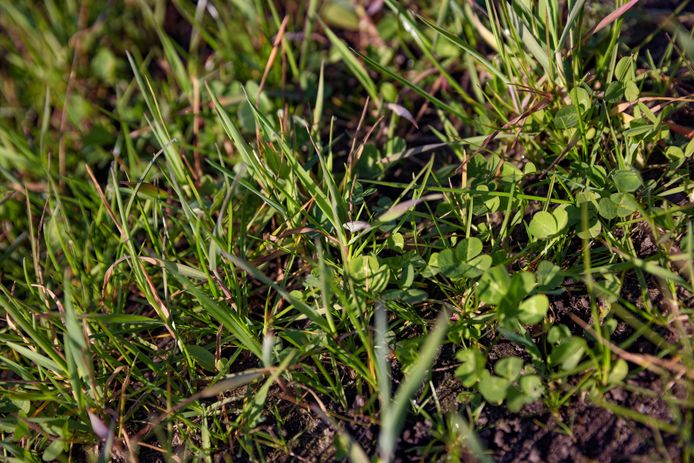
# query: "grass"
x,y
222,241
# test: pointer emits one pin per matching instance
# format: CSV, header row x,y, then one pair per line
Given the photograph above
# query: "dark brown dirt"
x,y
577,432
595,434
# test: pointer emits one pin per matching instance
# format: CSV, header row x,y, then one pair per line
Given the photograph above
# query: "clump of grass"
x,y
246,243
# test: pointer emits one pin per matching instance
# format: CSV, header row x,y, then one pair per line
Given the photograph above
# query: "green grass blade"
x,y
301,306
355,66
416,88
573,14
466,48
224,315
37,358
394,418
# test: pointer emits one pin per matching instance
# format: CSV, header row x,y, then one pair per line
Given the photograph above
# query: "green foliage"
x,y
369,274
196,202
509,383
465,260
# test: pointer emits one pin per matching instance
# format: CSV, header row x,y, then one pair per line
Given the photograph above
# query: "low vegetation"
x,y
270,231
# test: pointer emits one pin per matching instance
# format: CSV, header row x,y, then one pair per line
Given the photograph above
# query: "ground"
x,y
330,230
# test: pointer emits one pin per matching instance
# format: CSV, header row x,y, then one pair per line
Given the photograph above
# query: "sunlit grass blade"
x,y
416,88
466,48
570,20
224,315
301,306
355,66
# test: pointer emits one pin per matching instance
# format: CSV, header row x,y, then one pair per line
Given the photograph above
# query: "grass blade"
x,y
355,66
466,48
394,418
417,89
301,306
224,315
575,10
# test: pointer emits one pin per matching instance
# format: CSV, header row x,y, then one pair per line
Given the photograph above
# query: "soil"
x,y
578,432
595,434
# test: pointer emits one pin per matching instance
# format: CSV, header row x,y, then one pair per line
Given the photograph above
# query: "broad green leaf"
x,y
494,285
203,356
625,70
432,269
557,333
689,149
368,272
531,385
522,284
534,309
509,367
607,209
674,153
340,13
543,225
469,248
548,275
581,97
53,451
619,371
465,260
627,180
485,203
515,399
614,92
631,91
566,118
561,217
568,353
594,226
493,388
396,241
472,366
389,92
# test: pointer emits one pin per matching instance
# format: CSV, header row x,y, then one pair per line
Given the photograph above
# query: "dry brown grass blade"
x,y
610,18
273,55
270,61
